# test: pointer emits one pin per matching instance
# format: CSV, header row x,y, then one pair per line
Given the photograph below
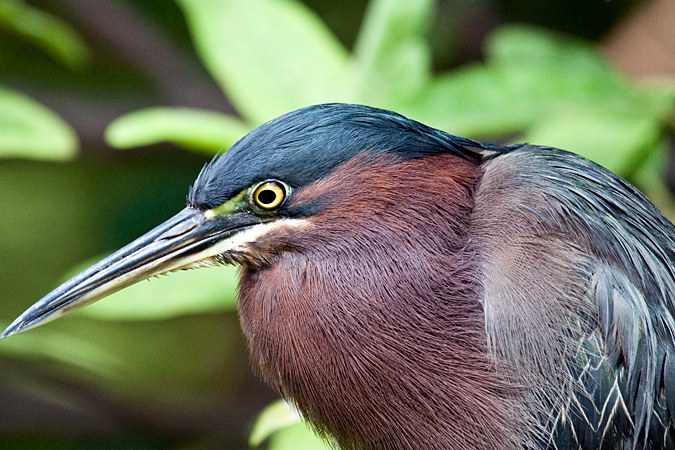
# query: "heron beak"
x,y
184,241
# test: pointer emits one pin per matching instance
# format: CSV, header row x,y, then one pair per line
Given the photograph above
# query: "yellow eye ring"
x,y
269,195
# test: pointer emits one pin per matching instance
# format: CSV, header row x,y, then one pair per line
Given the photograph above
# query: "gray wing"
x,y
626,399
606,258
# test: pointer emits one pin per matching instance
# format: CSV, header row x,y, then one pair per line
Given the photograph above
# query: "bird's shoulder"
x,y
576,256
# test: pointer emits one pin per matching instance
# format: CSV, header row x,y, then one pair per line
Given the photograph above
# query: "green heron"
x,y
410,289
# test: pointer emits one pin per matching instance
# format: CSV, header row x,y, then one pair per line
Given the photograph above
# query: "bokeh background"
x,y
109,108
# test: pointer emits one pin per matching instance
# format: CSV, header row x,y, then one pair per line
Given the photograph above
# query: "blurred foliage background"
x,y
163,364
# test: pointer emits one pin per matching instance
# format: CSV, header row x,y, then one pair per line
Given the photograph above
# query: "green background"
x,y
109,108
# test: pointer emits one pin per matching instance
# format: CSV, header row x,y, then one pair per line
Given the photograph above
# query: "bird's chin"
x,y
245,258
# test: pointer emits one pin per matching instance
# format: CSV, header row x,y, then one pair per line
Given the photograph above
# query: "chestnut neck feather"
x,y
369,319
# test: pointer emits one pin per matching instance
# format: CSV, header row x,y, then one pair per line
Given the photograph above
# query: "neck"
x,y
378,316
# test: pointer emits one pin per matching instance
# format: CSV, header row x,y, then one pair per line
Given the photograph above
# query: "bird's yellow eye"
x,y
269,195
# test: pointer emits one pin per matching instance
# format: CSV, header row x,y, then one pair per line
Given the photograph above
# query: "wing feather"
x,y
621,249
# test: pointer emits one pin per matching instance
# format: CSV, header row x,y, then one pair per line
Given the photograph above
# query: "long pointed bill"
x,y
180,242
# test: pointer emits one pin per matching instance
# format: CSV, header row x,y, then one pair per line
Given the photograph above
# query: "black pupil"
x,y
267,196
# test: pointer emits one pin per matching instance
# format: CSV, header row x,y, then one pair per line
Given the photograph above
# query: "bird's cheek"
x,y
264,244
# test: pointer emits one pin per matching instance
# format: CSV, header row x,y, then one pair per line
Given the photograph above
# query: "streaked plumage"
x,y
417,290
599,257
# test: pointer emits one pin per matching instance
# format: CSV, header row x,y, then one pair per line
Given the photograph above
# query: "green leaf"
x,y
52,34
392,57
519,45
274,417
545,69
195,129
650,176
532,78
270,56
62,347
615,142
655,100
29,130
473,101
297,437
173,361
196,291
285,427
